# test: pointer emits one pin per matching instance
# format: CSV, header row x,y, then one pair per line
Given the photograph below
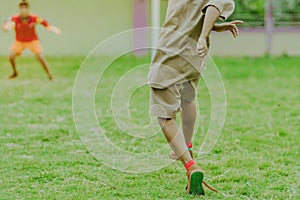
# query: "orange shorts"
x,y
34,46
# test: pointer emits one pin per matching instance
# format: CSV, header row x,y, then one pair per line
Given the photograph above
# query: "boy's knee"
x,y
163,119
187,102
165,122
12,55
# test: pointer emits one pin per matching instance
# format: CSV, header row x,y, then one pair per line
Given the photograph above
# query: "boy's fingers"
x,y
201,48
201,52
233,29
237,22
233,32
236,30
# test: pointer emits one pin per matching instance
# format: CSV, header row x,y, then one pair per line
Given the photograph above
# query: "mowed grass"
x,y
257,156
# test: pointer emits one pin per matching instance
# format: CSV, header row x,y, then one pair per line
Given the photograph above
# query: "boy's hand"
x,y
202,48
7,26
228,26
54,29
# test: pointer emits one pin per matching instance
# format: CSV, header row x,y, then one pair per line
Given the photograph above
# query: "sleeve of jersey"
x,y
226,7
40,20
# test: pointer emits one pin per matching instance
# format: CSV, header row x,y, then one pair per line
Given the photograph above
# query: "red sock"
x,y
189,146
189,164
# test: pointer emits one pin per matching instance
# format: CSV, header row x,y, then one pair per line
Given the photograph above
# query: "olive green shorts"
x,y
166,103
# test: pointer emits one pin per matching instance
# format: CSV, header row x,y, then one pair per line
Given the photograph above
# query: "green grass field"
x,y
257,156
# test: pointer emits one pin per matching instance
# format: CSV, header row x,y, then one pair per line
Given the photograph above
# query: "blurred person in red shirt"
x,y
26,36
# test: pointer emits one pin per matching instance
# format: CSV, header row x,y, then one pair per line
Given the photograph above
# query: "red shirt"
x,y
25,28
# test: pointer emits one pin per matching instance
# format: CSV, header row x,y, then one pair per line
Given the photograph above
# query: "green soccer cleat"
x,y
195,178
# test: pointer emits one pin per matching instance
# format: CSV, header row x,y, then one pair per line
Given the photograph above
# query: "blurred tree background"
x,y
285,12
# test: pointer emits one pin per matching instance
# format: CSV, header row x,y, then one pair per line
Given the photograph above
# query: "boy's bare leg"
x,y
188,118
12,60
43,61
175,138
211,16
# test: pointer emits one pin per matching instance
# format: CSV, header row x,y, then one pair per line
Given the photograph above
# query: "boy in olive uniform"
x,y
175,70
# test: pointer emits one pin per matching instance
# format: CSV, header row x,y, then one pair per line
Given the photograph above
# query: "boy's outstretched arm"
x,y
211,16
228,26
48,26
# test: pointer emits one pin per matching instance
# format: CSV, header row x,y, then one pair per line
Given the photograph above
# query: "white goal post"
x,y
155,21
